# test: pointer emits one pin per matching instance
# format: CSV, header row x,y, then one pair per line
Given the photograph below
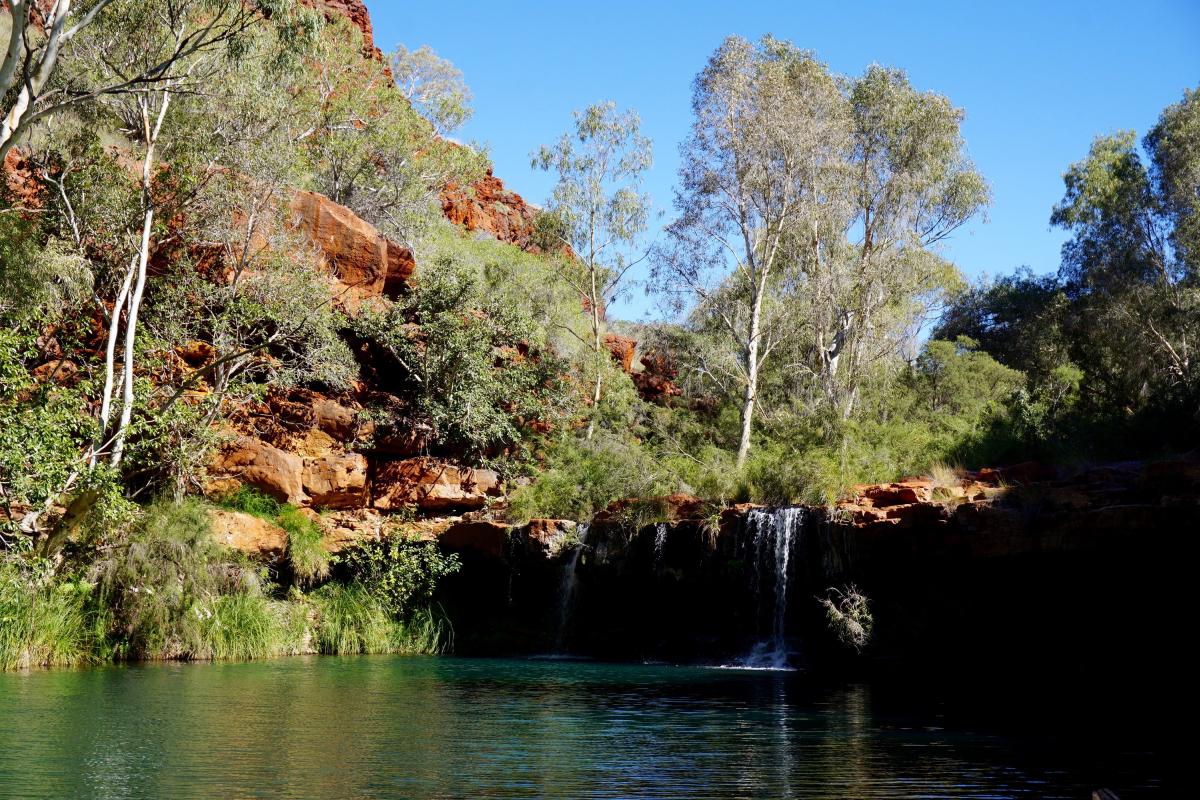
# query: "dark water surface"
x,y
443,727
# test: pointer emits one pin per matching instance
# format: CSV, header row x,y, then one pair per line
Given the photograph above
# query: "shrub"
x,y
849,616
401,573
583,477
167,581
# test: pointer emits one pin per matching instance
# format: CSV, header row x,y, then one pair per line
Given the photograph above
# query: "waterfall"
x,y
775,534
660,541
567,591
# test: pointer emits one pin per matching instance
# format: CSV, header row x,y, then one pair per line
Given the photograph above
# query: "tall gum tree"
x,y
598,212
761,158
810,208
865,269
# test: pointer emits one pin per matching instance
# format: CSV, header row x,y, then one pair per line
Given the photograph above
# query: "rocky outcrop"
x,y
487,207
432,485
365,264
622,349
356,12
337,481
246,533
252,462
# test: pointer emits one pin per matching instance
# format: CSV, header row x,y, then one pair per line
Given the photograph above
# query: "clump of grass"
x,y
242,627
43,624
848,613
350,620
251,501
425,632
167,582
306,552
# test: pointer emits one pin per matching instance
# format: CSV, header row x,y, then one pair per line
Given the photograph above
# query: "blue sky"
x,y
1037,80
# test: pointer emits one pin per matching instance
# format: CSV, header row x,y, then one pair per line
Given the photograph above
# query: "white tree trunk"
x,y
750,398
135,300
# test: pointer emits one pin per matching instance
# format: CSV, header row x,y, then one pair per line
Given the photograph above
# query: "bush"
x,y
401,573
583,477
849,616
167,586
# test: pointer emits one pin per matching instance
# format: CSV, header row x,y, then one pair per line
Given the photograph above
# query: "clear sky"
x,y
1038,81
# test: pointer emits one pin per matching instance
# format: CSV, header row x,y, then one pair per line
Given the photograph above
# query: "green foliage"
x,y
460,355
305,551
249,500
352,620
582,477
369,149
165,585
400,573
44,622
241,627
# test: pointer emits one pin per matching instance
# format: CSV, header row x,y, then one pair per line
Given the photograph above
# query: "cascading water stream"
x,y
567,592
776,534
660,542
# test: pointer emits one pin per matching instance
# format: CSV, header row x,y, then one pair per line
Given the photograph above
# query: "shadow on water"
x,y
425,727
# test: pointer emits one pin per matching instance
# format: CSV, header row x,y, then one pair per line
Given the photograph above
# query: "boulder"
x,y
622,349
246,533
255,463
364,264
432,485
337,481
655,381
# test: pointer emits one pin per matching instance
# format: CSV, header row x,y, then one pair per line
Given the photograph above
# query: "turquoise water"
x,y
443,727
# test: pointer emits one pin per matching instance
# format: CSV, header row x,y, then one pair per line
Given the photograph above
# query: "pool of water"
x,y
443,727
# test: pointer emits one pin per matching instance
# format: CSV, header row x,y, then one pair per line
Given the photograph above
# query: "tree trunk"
x,y
598,347
751,395
135,301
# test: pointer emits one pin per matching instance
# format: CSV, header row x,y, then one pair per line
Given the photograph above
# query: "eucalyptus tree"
x,y
810,210
434,87
1132,265
865,267
598,212
37,34
763,159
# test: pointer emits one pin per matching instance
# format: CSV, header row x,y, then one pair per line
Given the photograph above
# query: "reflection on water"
x,y
396,727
